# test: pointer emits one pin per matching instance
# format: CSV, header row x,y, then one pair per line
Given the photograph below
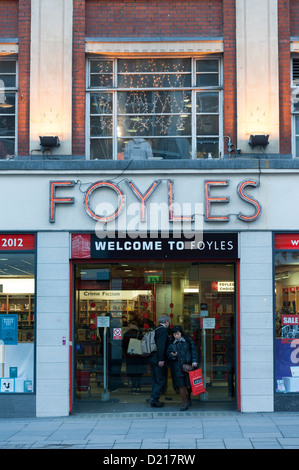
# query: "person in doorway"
x,y
135,365
182,350
158,362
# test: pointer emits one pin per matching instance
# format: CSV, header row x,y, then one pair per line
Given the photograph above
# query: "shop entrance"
x,y
118,301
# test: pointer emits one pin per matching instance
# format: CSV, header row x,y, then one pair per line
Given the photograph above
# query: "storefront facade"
x,y
222,273
145,181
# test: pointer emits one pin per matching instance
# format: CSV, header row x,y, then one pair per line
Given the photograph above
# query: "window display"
x,y
287,321
17,318
116,304
151,103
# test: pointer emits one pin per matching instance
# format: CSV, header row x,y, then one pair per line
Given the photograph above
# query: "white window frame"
x,y
15,91
194,89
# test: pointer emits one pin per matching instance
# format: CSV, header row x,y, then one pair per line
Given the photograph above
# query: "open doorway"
x,y
114,302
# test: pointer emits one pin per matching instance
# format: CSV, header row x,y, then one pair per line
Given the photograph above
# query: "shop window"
x,y
287,321
8,103
17,320
115,302
159,108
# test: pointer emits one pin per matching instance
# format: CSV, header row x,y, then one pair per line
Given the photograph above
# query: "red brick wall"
x,y
24,20
294,16
229,72
78,124
9,18
153,18
284,33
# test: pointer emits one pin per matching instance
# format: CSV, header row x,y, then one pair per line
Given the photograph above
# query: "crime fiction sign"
x,y
211,245
213,195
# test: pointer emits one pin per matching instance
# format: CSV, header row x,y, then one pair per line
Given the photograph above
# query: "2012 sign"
x,y
17,242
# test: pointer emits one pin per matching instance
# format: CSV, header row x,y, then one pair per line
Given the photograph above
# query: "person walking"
x,y
158,361
180,351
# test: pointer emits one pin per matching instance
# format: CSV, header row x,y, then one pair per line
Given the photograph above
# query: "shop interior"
x,y
113,300
17,309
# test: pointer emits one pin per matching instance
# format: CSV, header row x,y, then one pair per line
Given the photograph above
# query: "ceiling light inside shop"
x,y
191,290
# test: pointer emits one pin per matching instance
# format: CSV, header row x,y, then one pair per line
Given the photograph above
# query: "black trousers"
x,y
159,380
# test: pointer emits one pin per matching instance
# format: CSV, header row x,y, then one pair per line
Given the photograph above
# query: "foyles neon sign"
x,y
143,198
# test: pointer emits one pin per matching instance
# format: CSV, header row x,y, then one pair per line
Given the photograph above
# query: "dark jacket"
x,y
186,354
162,342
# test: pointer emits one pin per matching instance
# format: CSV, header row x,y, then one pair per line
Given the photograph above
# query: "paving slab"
x,y
238,443
210,444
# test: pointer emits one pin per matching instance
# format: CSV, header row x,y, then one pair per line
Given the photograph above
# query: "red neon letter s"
x,y
250,200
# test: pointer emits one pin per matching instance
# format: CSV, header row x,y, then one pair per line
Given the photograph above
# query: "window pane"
x,y
101,66
7,147
7,125
158,102
101,149
297,125
101,103
297,146
207,80
7,103
206,147
154,125
165,148
154,81
7,81
154,73
101,81
7,66
101,126
207,125
207,102
207,65
153,65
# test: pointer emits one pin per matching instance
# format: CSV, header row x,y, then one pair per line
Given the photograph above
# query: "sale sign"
x,y
289,328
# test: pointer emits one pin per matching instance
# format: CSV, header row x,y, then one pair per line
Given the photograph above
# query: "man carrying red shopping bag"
x,y
196,380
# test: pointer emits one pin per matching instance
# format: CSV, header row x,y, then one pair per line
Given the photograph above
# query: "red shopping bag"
x,y
196,381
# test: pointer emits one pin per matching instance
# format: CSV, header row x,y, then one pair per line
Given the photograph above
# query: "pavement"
x,y
154,429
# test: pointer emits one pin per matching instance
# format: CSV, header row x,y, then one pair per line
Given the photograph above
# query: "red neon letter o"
x,y
91,189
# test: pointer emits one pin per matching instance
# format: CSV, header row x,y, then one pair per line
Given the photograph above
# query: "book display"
x,y
23,306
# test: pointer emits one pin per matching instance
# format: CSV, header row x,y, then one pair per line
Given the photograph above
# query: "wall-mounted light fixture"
x,y
49,142
261,140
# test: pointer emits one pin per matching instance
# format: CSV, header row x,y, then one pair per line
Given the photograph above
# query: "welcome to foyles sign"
x,y
209,246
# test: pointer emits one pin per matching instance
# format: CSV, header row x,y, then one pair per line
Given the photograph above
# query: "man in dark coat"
x,y
158,361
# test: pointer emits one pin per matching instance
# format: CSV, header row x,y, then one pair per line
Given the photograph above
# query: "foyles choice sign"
x,y
213,203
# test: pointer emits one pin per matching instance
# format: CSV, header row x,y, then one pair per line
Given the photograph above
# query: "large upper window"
x,y
8,103
160,108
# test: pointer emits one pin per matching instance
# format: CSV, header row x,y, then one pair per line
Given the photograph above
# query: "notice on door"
x,y
103,322
208,323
